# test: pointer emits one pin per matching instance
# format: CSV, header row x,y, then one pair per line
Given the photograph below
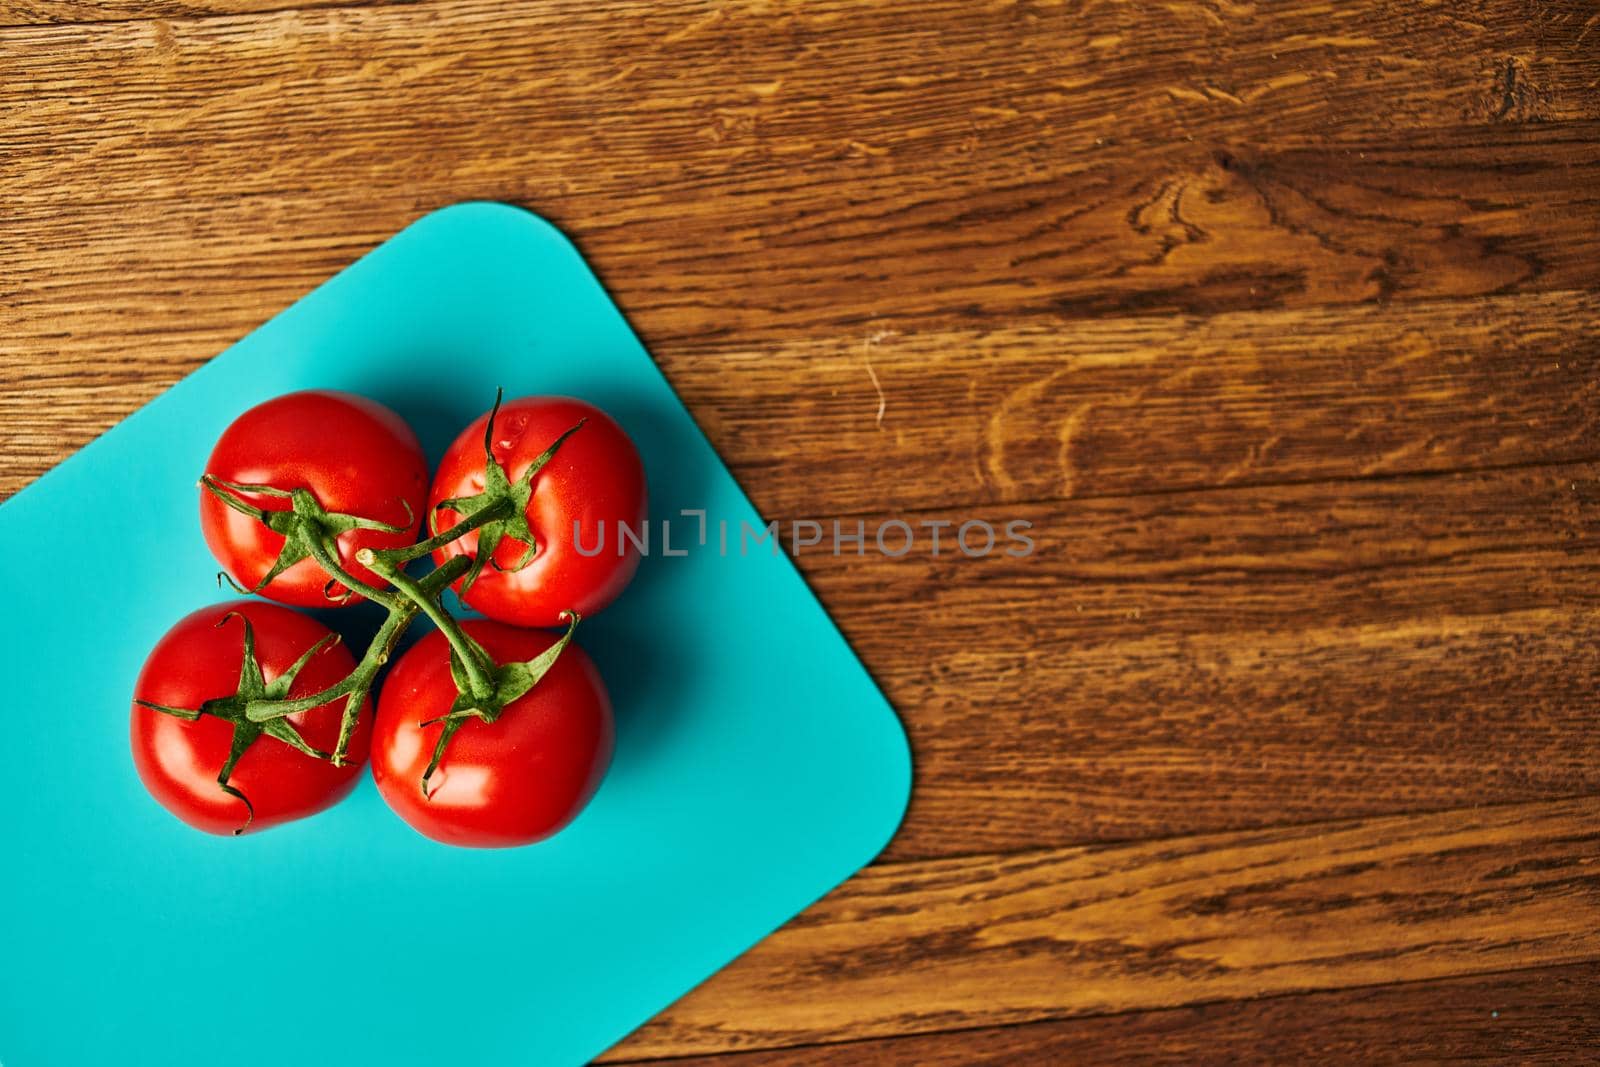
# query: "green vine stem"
x,y
401,556
354,687
475,662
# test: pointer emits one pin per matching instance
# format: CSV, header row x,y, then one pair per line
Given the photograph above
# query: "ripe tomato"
x,y
355,456
511,782
595,479
200,660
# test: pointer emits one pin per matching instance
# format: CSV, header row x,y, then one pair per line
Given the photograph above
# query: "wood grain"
x,y
185,180
44,12
784,253
804,231
980,941
1030,411
1187,662
1546,1015
661,89
1126,405
465,99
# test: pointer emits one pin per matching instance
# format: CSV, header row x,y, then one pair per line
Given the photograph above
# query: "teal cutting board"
x,y
757,765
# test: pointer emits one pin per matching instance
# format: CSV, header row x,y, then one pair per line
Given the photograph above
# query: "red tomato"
x,y
595,479
356,457
199,660
510,782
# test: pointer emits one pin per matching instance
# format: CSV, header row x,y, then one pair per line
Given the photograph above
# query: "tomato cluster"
x,y
487,732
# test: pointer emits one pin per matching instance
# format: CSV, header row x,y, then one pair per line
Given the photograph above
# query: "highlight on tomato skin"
x,y
356,456
512,782
199,660
594,479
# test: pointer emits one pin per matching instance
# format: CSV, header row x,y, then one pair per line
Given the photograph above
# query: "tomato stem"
x,y
354,687
500,509
473,659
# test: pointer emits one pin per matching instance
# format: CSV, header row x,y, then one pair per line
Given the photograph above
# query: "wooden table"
x,y
1280,321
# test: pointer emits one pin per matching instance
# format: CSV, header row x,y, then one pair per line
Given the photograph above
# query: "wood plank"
x,y
853,154
1034,411
981,941
854,191
759,254
45,12
1546,1015
1189,662
666,84
972,415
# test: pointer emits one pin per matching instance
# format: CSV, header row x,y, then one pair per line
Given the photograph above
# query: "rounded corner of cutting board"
x,y
492,219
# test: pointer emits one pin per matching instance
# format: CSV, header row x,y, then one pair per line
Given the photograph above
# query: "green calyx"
x,y
309,532
232,709
503,503
509,683
484,688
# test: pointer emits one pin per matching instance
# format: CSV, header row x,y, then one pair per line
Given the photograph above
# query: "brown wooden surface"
x,y
1180,662
1281,323
977,940
1547,1015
